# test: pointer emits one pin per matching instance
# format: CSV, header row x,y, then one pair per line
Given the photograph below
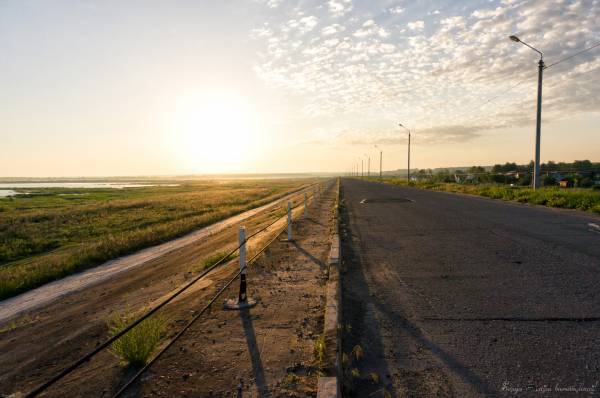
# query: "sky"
x,y
112,88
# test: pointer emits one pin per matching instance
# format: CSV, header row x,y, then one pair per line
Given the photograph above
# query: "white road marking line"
x,y
594,227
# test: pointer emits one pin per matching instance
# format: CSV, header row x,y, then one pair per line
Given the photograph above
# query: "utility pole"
x,y
538,127
362,169
408,170
380,156
538,124
408,174
380,162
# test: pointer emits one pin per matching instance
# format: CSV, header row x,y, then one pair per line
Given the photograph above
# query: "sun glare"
x,y
214,132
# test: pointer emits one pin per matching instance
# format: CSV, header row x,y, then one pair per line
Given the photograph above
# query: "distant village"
x,y
580,174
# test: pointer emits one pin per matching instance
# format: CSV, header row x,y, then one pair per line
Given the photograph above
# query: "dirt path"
x,y
37,345
52,291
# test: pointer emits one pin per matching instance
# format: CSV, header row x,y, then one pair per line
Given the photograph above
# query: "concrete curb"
x,y
330,386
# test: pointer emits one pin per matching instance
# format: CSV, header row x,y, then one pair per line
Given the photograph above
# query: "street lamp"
x,y
368,166
408,172
362,168
380,156
538,125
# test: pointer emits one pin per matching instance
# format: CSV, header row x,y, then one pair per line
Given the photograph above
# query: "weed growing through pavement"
x,y
135,347
319,350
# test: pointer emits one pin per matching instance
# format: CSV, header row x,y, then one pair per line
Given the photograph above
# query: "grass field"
x,y
54,232
571,198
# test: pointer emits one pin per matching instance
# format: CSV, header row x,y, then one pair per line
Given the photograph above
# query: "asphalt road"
x,y
455,295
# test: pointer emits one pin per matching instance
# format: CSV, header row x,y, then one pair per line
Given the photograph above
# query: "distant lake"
x,y
7,192
4,191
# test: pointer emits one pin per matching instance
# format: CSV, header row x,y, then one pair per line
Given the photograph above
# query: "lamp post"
x,y
408,172
538,124
368,165
362,168
380,156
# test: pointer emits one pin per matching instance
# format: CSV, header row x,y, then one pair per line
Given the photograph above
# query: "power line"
x,y
573,55
492,99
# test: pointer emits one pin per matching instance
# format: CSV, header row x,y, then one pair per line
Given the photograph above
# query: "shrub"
x,y
135,347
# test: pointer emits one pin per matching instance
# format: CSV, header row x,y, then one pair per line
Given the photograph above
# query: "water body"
x,y
7,192
115,185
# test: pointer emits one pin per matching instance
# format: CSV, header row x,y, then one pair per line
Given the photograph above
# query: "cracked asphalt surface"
x,y
455,295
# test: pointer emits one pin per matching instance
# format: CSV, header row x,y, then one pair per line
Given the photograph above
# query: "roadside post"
x,y
305,205
242,301
289,222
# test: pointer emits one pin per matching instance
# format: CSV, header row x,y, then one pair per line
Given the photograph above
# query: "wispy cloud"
x,y
383,62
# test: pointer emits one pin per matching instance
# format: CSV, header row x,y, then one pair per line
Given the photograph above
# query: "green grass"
x,y
215,258
135,347
568,198
55,232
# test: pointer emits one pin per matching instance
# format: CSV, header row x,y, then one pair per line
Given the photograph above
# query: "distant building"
x,y
516,174
565,183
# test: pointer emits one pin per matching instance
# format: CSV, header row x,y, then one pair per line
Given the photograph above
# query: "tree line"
x,y
580,173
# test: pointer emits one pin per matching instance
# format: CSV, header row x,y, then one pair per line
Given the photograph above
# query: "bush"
x,y
548,181
135,347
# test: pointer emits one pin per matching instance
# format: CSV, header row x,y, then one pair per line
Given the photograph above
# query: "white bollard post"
x,y
242,297
289,220
305,205
242,301
242,242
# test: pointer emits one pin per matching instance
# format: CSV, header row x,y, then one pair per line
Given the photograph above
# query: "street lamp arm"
x,y
517,40
534,49
404,127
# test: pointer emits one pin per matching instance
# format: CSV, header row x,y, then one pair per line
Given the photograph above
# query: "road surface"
x,y
455,295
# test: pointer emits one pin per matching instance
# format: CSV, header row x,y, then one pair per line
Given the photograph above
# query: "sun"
x,y
214,131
